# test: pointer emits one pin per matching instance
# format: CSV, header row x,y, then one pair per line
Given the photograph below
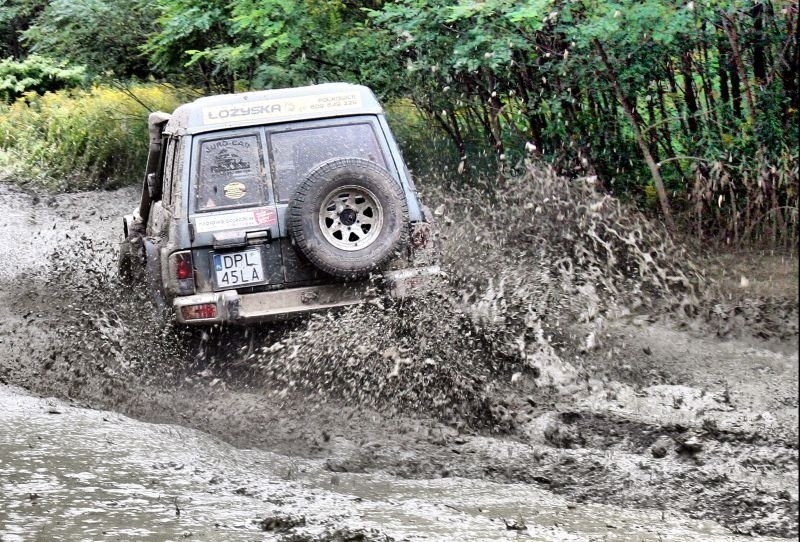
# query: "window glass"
x,y
230,173
177,159
166,174
297,152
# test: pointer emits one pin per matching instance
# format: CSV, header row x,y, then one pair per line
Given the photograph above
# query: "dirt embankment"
x,y
590,365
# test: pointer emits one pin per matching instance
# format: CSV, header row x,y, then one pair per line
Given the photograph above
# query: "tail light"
x,y
201,311
181,270
184,268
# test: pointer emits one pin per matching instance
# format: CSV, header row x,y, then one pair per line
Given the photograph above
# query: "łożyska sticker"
x,y
282,108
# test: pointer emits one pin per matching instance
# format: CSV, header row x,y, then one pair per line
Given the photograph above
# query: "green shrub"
x,y
80,139
426,149
37,74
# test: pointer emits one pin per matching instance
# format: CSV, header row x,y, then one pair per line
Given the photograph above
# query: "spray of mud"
x,y
535,266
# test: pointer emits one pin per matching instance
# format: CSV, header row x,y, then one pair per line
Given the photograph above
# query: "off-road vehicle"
x,y
259,205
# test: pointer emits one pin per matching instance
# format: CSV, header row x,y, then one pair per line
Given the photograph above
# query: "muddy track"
x,y
660,419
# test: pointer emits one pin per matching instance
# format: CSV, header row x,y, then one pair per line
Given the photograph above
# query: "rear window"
x,y
230,173
297,152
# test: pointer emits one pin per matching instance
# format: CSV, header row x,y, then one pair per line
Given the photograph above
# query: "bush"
x,y
426,148
36,74
429,151
80,139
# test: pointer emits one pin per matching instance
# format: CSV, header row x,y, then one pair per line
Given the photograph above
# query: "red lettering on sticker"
x,y
265,217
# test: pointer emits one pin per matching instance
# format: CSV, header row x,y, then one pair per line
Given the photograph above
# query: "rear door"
x,y
232,212
298,148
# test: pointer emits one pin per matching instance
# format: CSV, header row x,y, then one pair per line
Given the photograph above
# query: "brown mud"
x,y
594,397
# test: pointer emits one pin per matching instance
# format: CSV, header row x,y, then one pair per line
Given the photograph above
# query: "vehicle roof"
x,y
271,106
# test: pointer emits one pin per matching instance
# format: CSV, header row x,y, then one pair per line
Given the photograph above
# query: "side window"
x,y
297,152
175,176
230,173
167,173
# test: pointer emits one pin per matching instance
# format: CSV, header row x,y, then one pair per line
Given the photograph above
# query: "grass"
x,y
80,139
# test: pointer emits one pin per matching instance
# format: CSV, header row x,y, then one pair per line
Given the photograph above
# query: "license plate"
x,y
238,268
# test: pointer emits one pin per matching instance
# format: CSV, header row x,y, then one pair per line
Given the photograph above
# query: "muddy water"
x,y
68,473
33,224
575,457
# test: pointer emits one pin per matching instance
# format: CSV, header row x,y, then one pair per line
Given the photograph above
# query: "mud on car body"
x,y
263,204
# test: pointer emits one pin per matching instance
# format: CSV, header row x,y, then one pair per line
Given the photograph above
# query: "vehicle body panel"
x,y
221,176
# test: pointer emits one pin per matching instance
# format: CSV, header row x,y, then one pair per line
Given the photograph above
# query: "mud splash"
x,y
534,273
530,365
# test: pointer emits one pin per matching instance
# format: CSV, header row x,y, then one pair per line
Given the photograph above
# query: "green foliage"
x,y
104,35
15,17
704,83
426,148
255,43
600,88
185,27
80,139
36,74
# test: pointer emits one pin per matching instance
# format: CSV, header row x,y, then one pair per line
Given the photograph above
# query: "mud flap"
x,y
153,272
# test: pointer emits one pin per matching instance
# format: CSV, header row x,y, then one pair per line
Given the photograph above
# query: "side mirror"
x,y
153,187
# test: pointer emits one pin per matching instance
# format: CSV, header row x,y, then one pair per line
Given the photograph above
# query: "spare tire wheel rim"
x,y
351,217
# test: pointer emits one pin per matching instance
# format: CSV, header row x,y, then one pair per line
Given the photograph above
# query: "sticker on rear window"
x,y
230,173
234,190
228,162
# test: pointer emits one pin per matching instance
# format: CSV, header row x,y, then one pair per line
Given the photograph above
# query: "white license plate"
x,y
238,268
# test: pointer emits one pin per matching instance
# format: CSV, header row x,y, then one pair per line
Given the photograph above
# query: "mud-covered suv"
x,y
263,204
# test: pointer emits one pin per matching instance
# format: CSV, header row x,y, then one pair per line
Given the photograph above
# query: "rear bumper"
x,y
233,307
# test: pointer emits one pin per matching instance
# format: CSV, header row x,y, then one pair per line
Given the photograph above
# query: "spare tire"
x,y
349,217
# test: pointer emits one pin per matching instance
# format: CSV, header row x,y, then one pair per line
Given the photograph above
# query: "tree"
x,y
103,35
36,74
15,17
682,106
261,43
